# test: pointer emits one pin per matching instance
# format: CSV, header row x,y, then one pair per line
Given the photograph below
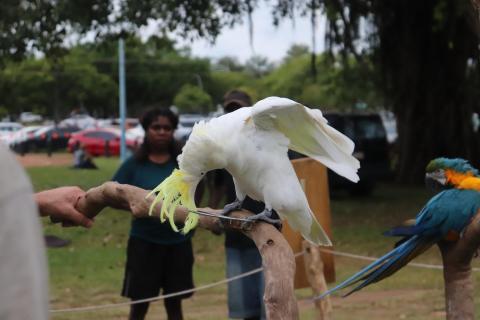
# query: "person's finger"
x,y
79,219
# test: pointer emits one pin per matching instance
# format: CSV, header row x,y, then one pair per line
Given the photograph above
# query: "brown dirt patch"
x,y
384,304
42,159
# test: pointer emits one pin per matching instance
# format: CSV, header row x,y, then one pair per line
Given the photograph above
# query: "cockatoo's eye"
x,y
202,173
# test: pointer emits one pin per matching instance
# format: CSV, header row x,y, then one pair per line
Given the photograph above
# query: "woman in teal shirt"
x,y
157,257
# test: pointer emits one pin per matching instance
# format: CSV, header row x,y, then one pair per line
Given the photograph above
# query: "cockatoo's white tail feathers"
x,y
306,223
317,235
309,134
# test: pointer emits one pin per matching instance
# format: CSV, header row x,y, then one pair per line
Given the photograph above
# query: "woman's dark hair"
x,y
146,120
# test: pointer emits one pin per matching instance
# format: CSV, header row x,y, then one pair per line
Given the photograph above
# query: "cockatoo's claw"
x,y
230,207
247,226
267,216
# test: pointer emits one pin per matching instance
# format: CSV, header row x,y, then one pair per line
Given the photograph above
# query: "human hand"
x,y
60,203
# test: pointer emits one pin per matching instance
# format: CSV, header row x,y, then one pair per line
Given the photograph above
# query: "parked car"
x,y
99,141
7,129
81,120
28,117
185,125
19,137
129,122
47,137
371,148
135,134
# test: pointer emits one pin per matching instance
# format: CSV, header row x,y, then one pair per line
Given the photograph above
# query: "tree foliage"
x,y
191,98
337,86
297,50
31,86
430,78
428,57
421,55
26,86
228,63
44,25
258,66
426,53
223,81
87,76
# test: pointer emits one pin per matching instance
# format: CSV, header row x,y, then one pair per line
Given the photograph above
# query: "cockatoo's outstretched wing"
x,y
309,133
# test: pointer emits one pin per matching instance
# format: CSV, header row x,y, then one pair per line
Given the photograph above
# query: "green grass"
x,y
90,270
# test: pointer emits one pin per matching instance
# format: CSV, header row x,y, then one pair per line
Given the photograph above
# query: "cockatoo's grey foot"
x,y
268,216
230,207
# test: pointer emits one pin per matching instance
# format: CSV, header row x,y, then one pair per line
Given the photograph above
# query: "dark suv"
x,y
371,148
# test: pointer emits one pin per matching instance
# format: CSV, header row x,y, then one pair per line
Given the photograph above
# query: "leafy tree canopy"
x,y
191,98
44,25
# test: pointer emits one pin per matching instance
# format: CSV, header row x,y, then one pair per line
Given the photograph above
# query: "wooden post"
x,y
316,278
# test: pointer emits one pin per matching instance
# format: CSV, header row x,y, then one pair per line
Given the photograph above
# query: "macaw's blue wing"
x,y
450,210
404,231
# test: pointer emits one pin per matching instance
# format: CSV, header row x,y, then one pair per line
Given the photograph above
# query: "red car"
x,y
98,141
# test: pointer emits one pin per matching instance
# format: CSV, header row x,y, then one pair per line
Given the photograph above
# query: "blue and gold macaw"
x,y
444,217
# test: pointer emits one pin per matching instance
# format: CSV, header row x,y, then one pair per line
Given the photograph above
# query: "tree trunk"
x,y
425,49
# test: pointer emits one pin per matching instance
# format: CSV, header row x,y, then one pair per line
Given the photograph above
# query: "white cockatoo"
x,y
251,143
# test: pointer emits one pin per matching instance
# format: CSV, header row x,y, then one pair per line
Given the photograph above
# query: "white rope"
x,y
243,275
368,258
165,296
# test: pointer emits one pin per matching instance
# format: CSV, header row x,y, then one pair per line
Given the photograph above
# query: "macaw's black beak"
x,y
434,185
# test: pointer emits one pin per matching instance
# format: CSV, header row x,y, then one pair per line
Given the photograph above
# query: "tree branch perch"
x,y
457,273
277,256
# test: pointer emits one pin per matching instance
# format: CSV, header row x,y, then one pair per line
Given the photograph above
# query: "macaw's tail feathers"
x,y
317,235
386,265
410,251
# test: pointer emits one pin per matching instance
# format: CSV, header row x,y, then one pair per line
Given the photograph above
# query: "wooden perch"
x,y
315,274
457,259
277,256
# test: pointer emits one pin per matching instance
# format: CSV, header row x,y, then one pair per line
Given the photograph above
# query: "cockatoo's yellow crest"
x,y
175,191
